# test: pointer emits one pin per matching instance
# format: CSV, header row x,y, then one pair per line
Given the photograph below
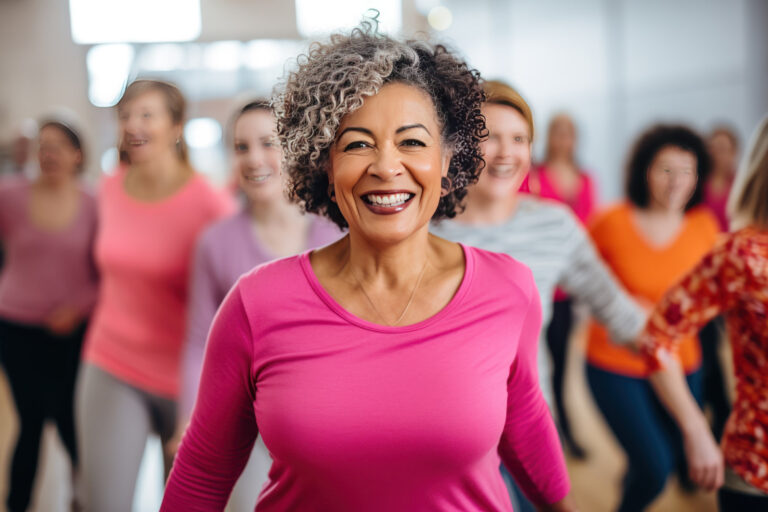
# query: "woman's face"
x,y
722,151
672,178
507,152
58,157
386,165
562,137
146,128
258,156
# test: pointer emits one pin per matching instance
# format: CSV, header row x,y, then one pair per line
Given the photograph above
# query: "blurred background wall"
x,y
616,65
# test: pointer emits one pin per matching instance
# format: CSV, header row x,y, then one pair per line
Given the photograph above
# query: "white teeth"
x,y
137,142
257,179
388,199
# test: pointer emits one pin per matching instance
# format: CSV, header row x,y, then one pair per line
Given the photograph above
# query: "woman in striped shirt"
x,y
541,233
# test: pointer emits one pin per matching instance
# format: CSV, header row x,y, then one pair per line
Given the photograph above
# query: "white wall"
x,y
621,65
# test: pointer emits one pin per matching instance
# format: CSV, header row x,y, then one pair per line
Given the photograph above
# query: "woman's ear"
x,y
446,163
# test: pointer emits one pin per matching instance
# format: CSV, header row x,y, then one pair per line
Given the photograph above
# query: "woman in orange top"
x,y
650,242
732,280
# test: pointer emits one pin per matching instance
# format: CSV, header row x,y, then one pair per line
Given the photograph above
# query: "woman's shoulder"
x,y
273,278
702,218
748,241
498,271
615,215
11,188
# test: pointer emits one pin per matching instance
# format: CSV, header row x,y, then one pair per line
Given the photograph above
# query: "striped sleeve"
x,y
588,279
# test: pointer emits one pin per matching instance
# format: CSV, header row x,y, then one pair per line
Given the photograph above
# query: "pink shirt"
x,y
717,203
143,250
359,416
44,270
582,203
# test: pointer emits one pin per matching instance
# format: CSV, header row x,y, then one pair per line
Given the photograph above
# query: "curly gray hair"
x,y
334,78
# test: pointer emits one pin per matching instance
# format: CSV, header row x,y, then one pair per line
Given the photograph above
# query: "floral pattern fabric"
x,y
731,280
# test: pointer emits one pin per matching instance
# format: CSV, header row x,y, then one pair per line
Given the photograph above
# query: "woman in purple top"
x,y
268,227
48,287
391,370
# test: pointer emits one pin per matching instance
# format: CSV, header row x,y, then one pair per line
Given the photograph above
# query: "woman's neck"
x,y
388,265
55,184
658,212
276,212
562,164
159,173
485,210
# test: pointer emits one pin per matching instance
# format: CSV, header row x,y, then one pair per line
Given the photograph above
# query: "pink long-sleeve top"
x,y
45,270
359,416
144,251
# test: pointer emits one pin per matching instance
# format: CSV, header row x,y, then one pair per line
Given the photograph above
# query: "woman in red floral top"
x,y
731,280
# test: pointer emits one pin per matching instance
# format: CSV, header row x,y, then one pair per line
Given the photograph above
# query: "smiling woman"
x,y
391,370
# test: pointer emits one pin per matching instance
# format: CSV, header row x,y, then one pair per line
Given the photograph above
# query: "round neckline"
x,y
72,225
159,202
331,303
669,245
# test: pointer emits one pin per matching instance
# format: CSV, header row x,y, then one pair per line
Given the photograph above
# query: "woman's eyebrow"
x,y
355,129
411,126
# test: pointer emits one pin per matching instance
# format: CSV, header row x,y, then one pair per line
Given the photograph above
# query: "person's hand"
x,y
705,460
64,320
172,446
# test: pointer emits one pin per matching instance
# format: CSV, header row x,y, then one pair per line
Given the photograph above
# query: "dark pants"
x,y
648,435
734,501
41,370
558,335
714,394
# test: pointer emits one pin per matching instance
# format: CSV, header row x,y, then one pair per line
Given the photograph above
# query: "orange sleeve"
x,y
705,292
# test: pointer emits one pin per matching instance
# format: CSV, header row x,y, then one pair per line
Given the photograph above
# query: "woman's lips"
x,y
387,203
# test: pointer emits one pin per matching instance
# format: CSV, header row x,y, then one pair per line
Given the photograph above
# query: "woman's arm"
x,y
705,461
685,308
588,279
204,300
529,446
220,437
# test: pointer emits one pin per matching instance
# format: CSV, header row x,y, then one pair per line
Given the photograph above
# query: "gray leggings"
x,y
114,420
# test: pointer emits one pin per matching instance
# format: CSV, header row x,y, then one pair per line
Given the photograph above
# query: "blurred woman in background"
x,y
561,178
48,287
542,234
723,146
268,227
650,242
151,212
731,280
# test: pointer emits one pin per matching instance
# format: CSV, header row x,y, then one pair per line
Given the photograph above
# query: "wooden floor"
x,y
595,481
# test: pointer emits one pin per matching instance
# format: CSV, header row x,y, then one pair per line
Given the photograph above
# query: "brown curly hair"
x,y
333,79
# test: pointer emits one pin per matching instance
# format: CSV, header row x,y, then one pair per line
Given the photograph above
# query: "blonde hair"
x,y
174,101
748,201
500,93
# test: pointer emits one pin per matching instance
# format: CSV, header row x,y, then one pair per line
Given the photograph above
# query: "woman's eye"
x,y
241,148
413,142
358,144
146,115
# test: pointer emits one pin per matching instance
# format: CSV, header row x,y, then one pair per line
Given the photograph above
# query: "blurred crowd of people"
x,y
107,296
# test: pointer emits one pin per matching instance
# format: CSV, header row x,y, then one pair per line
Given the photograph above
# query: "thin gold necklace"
x,y
410,299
